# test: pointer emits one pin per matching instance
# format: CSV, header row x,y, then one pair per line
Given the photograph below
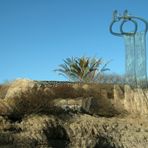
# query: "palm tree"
x,y
82,69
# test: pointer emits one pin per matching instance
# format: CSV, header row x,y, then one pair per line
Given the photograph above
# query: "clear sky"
x,y
36,35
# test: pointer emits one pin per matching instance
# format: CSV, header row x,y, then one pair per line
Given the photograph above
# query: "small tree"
x,y
82,69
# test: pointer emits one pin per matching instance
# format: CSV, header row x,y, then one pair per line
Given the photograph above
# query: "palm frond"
x,y
82,69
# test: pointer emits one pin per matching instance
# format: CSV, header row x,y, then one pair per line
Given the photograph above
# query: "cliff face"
x,y
35,114
134,101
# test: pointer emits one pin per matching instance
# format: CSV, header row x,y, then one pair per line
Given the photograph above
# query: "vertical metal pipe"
x,y
135,49
130,75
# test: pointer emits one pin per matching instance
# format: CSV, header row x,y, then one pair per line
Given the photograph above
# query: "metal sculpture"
x,y
135,48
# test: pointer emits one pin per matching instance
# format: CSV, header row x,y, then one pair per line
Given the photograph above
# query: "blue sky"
x,y
36,35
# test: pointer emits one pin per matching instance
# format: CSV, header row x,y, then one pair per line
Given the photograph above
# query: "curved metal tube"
x,y
143,20
126,18
116,19
128,33
111,30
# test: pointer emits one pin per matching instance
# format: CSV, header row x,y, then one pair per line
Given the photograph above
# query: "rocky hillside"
x,y
75,115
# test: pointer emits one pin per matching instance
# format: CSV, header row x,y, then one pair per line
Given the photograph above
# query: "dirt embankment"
x,y
33,115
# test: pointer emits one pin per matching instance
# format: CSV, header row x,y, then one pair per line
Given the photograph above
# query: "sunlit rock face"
x,y
131,100
74,115
136,100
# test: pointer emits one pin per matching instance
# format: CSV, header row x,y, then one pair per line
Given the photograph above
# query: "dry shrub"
x,y
5,108
3,90
99,106
70,90
64,91
96,97
27,96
